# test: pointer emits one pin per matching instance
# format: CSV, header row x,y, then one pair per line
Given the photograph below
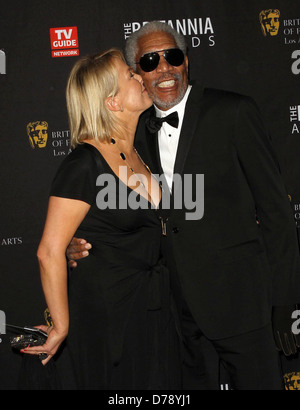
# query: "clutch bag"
x,y
28,336
22,341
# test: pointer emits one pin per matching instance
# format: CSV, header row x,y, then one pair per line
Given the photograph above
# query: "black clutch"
x,y
22,341
30,336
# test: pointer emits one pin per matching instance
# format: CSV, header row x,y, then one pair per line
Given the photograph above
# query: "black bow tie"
x,y
154,124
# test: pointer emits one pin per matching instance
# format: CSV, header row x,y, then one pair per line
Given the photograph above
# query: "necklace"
x,y
123,157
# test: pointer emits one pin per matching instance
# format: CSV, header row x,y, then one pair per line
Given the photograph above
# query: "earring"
x,y
122,109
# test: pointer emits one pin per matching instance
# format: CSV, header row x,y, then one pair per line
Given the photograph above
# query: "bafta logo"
x,y
292,381
38,134
270,22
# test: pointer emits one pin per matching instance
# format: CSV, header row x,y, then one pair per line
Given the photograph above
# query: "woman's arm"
x,y
63,218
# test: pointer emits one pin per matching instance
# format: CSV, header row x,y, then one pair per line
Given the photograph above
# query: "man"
x,y
231,266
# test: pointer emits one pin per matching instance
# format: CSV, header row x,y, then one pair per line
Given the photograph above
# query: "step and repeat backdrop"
x,y
250,47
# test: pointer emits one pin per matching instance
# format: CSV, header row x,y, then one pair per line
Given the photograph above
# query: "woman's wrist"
x,y
60,330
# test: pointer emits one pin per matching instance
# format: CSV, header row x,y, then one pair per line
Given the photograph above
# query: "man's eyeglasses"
x,y
150,61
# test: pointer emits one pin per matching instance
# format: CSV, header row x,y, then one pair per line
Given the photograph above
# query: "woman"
x,y
115,314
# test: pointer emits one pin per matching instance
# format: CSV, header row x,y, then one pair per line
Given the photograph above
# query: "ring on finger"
x,y
43,356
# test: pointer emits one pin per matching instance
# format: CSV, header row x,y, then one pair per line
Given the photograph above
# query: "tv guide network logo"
x,y
64,42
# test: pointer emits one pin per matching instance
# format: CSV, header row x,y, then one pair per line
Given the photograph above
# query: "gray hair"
x,y
131,48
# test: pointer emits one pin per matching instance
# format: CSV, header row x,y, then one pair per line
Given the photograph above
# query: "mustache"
x,y
164,77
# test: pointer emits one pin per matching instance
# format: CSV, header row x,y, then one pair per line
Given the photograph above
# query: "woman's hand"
x,y
51,346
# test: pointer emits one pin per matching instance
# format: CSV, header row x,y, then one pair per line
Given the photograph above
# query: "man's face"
x,y
167,84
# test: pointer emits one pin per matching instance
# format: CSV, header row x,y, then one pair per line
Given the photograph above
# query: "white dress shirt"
x,y
168,138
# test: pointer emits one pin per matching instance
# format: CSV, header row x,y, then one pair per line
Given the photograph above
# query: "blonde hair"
x,y
93,79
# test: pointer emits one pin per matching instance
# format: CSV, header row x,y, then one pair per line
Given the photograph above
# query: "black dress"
x,y
123,332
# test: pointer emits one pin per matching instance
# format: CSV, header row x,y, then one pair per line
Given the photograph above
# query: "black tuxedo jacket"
x,y
231,269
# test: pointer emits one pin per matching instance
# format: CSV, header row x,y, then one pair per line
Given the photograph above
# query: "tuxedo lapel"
x,y
153,147
189,125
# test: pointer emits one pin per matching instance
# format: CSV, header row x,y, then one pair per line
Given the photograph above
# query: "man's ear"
x,y
186,60
136,70
112,103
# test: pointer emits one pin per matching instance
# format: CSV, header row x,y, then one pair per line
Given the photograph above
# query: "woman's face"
x,y
132,95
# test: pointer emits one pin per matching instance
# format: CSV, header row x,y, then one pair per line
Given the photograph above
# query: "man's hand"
x,y
78,249
285,340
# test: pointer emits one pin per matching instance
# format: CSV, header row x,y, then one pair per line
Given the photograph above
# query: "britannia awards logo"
x,y
295,119
270,22
2,62
40,137
37,133
200,30
61,143
291,31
